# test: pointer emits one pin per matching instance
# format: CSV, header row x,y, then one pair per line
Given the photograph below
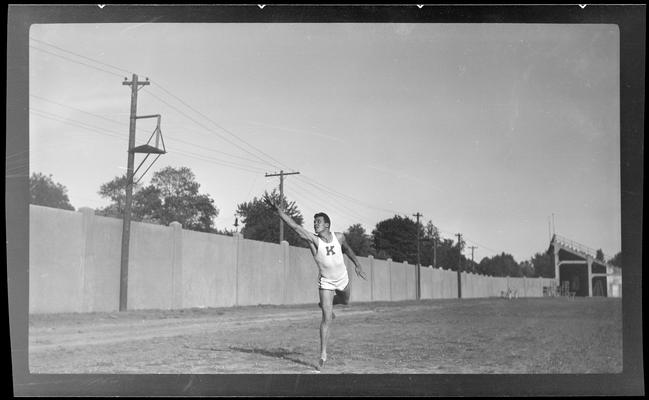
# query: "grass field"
x,y
453,336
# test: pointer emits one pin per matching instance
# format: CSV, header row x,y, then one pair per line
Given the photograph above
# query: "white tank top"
x,y
330,259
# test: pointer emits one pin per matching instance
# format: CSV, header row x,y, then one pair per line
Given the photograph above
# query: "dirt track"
x,y
546,335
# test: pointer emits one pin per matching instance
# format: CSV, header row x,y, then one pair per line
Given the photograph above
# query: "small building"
x,y
577,270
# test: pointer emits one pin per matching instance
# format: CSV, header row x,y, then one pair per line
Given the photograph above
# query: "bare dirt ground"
x,y
478,336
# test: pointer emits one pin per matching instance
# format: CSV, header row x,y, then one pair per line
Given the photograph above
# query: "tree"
x,y
430,239
44,191
147,205
599,255
449,255
461,261
180,200
115,191
527,268
616,260
543,265
397,238
146,202
358,240
172,196
262,223
500,265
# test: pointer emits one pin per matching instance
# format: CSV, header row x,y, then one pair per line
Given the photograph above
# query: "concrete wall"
x,y
150,270
261,273
302,277
103,253
209,274
56,252
381,280
361,288
398,285
74,261
426,278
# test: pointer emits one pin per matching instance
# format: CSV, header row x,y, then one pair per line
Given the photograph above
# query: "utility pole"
x,y
281,197
472,248
126,228
435,252
417,271
459,266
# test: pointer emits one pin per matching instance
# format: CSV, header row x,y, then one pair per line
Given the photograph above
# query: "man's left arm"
x,y
350,253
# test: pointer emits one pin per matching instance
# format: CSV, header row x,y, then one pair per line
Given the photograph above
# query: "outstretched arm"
x,y
350,253
303,233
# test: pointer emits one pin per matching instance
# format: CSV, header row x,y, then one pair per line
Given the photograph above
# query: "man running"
x,y
333,282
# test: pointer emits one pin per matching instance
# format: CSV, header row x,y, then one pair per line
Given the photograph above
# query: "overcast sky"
x,y
485,129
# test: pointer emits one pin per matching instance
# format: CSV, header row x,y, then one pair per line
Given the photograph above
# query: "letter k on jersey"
x,y
330,250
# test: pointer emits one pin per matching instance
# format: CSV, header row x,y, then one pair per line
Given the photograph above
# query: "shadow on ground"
x,y
275,353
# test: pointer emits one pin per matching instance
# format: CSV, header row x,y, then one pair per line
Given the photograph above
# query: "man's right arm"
x,y
303,233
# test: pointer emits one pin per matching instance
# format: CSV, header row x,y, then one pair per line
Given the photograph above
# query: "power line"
x,y
331,204
79,55
217,161
339,204
196,111
348,198
76,123
337,207
345,196
119,136
217,125
80,110
121,69
165,90
75,61
263,161
209,130
482,246
140,129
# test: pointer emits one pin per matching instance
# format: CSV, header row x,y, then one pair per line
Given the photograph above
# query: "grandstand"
x,y
578,272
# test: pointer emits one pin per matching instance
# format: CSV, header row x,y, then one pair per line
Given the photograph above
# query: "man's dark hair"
x,y
323,215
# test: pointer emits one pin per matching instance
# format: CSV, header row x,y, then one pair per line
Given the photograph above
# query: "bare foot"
x,y
321,364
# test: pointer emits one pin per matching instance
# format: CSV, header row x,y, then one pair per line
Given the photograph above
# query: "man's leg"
x,y
326,303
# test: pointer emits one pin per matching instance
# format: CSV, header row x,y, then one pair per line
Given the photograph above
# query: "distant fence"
x,y
74,266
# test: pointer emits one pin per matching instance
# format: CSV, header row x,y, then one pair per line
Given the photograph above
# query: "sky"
x,y
501,132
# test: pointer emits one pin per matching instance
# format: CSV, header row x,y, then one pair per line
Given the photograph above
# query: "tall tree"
x,y
43,191
500,265
543,265
173,195
449,254
599,255
430,239
527,269
115,191
358,240
262,223
397,237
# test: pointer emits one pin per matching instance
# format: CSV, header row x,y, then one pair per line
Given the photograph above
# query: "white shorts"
x,y
333,284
